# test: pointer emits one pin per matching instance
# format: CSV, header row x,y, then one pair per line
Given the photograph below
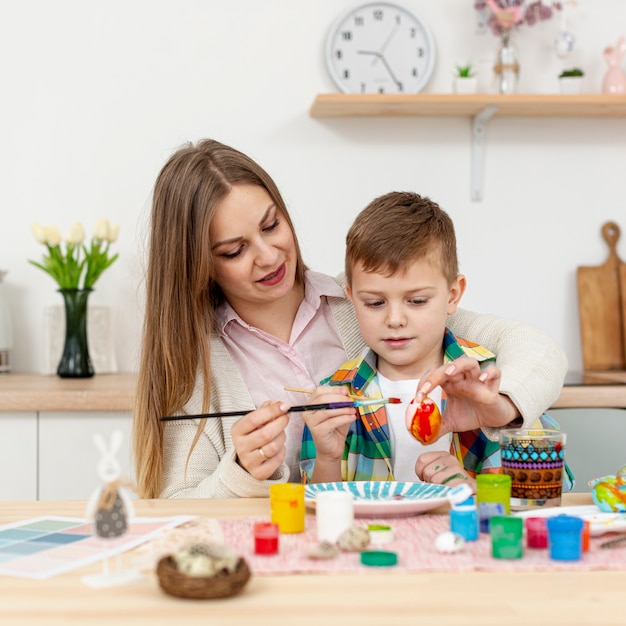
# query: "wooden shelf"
x,y
453,105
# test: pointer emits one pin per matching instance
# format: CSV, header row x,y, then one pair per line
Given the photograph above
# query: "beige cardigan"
x,y
533,368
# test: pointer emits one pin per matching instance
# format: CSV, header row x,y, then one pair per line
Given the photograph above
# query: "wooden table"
x,y
372,598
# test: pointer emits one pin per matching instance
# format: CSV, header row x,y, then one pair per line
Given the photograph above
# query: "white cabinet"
x,y
18,456
68,458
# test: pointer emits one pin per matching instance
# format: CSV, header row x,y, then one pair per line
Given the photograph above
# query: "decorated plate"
x,y
600,522
385,498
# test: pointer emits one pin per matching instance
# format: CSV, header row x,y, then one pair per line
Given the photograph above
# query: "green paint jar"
x,y
506,537
493,496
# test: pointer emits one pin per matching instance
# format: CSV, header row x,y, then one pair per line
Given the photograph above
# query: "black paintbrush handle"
x,y
293,409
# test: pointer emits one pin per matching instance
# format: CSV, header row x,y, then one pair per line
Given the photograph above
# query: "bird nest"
x,y
221,585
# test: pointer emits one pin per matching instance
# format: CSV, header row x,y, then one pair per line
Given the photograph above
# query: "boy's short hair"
x,y
398,228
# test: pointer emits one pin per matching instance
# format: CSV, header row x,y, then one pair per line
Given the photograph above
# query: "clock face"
x,y
380,47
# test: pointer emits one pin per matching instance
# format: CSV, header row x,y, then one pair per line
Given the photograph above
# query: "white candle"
x,y
334,513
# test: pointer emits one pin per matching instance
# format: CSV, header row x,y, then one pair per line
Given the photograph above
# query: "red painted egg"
x,y
425,420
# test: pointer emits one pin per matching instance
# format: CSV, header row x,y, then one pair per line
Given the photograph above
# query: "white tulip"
x,y
52,235
39,232
114,231
76,234
101,230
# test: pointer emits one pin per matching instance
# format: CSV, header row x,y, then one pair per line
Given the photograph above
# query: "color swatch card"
x,y
42,547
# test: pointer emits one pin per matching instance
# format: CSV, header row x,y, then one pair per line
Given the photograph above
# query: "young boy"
x,y
403,280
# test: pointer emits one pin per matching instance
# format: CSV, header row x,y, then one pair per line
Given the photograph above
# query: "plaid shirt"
x,y
367,452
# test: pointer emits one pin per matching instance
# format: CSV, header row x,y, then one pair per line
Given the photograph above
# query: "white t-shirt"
x,y
404,447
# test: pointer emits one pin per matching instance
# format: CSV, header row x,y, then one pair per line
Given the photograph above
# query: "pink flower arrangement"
x,y
505,14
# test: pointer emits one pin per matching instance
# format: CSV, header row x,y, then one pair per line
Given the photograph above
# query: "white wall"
x,y
96,95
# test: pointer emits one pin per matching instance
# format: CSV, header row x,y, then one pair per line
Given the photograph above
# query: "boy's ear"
x,y
457,289
349,292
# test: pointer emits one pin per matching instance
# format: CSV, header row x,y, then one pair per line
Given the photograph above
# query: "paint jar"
x,y
506,537
265,538
586,536
464,519
565,538
287,506
493,494
334,513
380,534
536,532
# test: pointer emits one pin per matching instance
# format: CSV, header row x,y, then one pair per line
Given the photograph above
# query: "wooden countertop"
x,y
115,392
35,392
598,389
471,598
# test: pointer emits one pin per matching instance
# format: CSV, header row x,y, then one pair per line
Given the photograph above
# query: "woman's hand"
x,y
442,468
259,439
329,430
473,397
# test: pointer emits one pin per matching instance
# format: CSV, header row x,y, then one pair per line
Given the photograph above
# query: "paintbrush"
x,y
309,391
329,406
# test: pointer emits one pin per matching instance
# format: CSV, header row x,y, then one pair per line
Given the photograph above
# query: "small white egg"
x,y
449,542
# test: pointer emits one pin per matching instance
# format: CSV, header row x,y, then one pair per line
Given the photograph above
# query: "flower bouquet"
x,y
79,266
502,17
76,267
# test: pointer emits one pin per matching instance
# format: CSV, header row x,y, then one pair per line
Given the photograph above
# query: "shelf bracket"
x,y
479,129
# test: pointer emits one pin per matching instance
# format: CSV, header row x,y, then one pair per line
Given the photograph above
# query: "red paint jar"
x,y
536,532
265,538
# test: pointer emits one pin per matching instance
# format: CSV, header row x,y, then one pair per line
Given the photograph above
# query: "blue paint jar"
x,y
565,537
464,519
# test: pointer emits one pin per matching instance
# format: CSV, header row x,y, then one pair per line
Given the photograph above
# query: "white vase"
x,y
506,68
571,85
465,84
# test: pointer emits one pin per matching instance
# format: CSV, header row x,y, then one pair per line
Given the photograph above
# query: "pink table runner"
x,y
414,539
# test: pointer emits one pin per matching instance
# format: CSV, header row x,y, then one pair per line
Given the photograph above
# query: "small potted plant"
x,y
571,81
465,80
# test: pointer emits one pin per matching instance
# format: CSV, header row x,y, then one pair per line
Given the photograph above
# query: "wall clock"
x,y
380,47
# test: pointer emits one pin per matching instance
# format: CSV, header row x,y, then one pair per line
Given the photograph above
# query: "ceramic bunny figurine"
x,y
110,505
112,510
615,79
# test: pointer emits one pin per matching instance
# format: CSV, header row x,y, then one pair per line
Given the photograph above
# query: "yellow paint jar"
x,y
287,506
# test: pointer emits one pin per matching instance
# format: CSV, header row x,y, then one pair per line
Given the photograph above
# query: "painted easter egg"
x,y
425,420
609,492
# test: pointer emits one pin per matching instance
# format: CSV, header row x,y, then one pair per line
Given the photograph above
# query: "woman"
x,y
233,317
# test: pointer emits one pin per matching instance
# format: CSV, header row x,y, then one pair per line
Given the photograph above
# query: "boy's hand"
x,y
329,428
442,468
473,398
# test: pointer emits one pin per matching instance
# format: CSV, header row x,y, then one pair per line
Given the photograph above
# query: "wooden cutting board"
x,y
602,308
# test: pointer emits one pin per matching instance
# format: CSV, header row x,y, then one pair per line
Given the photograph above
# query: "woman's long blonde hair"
x,y
181,295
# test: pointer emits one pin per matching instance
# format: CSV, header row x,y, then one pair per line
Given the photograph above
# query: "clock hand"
x,y
386,43
395,80
378,54
382,58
